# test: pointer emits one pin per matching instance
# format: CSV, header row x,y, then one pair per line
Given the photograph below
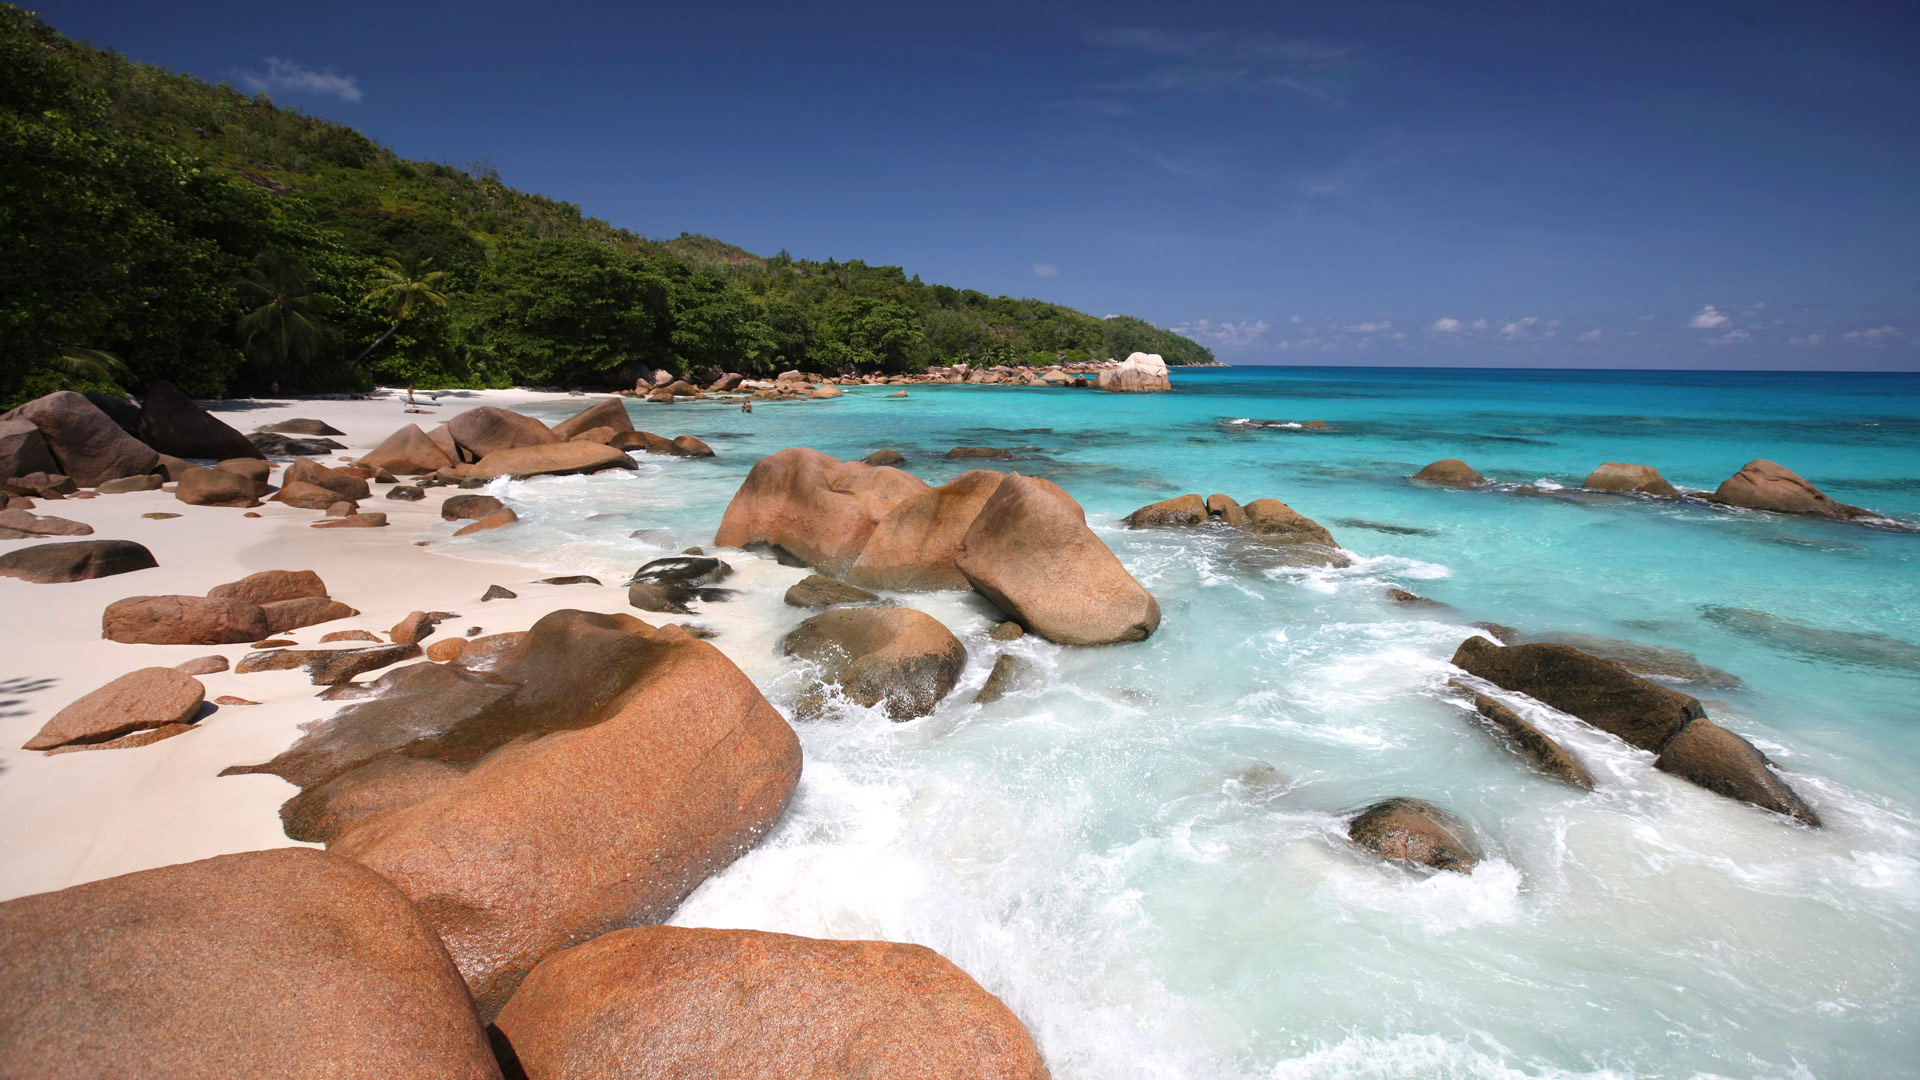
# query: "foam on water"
x,y
1141,848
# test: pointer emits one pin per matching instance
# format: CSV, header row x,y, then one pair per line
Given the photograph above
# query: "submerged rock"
x,y
980,452
1636,479
1846,646
821,591
1546,754
885,457
1640,658
1417,833
897,656
681,1002
1007,671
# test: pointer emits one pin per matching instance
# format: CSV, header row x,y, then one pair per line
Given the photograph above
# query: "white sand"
x,y
77,817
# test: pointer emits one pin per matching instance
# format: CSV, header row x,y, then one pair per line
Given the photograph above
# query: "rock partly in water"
x,y
1414,832
148,698
681,1002
1657,661
821,591
689,447
172,424
1180,510
1540,748
497,519
1450,472
608,413
1007,631
468,507
1724,763
914,546
286,963
1765,485
1139,372
551,459
885,457
1631,479
899,657
682,570
1006,674
816,507
489,429
77,560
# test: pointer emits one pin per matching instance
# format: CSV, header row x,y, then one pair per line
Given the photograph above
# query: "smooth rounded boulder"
x,y
669,1001
489,429
1450,472
1138,373
137,701
86,442
269,586
1767,485
588,781
342,483
183,620
1179,510
1546,754
1629,479
409,451
77,560
914,546
1415,832
817,507
24,524
821,591
287,963
1724,763
24,450
172,424
550,459
899,657
216,487
1029,550
610,413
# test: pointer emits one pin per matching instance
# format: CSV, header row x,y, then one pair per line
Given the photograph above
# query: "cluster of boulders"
x,y
1759,485
1138,372
1020,541
1267,520
255,607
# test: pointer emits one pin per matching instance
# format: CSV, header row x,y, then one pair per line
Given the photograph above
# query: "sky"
x,y
1700,185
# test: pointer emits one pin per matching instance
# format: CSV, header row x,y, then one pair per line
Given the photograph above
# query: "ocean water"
x,y
1142,850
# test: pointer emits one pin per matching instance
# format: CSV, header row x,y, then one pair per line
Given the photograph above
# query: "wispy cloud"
x,y
1233,335
1447,326
1045,270
1870,337
1707,318
1519,328
293,77
1591,335
1731,337
1211,62
1370,327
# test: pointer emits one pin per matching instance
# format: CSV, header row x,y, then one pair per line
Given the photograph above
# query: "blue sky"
x,y
1550,184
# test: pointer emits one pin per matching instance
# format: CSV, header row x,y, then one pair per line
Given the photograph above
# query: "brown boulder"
x,y
1450,472
1415,832
1180,510
1764,485
1726,764
1546,754
128,484
673,1001
343,484
959,452
821,591
327,667
24,450
1078,593
500,517
139,700
914,546
86,442
269,586
817,507
1006,672
288,963
254,469
409,450
216,487
23,524
354,521
305,496
606,768
645,441
446,650
441,436
1597,691
1275,521
1007,631
1637,479
1138,373
550,459
416,626
468,507
897,656
885,457
77,560
488,430
1226,510
303,426
126,742
610,413
203,665
183,620
171,423
286,615
688,446
349,635
602,435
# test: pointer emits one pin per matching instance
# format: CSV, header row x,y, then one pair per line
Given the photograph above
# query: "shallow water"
x,y
1105,851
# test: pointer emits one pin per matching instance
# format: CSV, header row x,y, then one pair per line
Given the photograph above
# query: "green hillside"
x,y
226,244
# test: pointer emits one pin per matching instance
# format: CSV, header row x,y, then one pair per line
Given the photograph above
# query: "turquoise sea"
x,y
1142,850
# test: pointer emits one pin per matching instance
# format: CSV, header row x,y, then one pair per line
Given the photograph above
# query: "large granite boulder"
x,y
598,772
913,547
1546,754
342,483
610,413
292,614
489,429
1450,472
300,425
1631,479
137,701
119,409
288,963
1029,550
24,450
183,620
1279,522
899,657
86,442
821,591
1139,372
1416,833
1726,764
1765,485
468,507
172,424
672,1001
818,507
409,451
25,524
77,560
216,487
271,586
1179,510
550,459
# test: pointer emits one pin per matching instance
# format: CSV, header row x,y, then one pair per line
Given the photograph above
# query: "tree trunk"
x,y
377,342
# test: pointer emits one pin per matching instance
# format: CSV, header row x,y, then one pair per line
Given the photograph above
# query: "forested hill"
x,y
199,235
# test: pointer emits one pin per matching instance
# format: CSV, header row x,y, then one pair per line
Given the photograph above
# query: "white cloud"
x,y
1370,327
1648,318
1235,335
1707,318
1869,337
1045,270
1731,337
1810,339
1591,335
293,77
1446,326
1519,327
1296,320
1479,324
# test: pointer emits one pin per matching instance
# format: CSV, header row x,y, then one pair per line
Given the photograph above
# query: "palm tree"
x,y
285,317
88,366
401,288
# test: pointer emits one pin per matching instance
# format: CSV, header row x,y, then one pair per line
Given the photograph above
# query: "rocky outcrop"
x,y
1179,510
1642,713
1764,485
409,451
468,507
488,430
592,778
549,459
216,487
610,413
885,457
24,524
288,615
77,560
272,442
1416,833
818,507
1630,479
899,657
172,424
1450,472
23,450
1139,372
1270,520
302,426
674,1001
1538,747
914,546
1275,520
344,484
1078,594
689,447
287,963
137,701
86,442
821,591
183,620
269,586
